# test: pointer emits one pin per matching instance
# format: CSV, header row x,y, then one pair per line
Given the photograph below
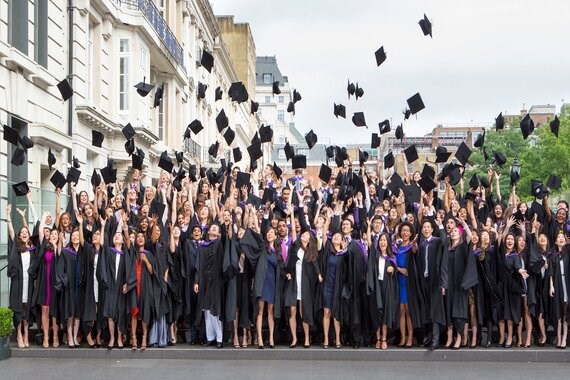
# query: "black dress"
x,y
16,274
559,263
384,294
70,280
511,286
462,276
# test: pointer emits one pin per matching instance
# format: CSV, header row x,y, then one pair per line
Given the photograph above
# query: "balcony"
x,y
193,149
154,18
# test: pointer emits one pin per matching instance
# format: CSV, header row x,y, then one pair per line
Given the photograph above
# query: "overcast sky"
x,y
485,57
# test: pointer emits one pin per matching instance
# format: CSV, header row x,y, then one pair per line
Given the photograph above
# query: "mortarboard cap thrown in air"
x,y
375,143
500,158
265,133
277,170
254,151
202,90
254,106
407,113
130,146
441,154
480,140
325,173
222,120
137,161
27,142
276,90
358,92
425,25
311,139
237,154
58,180
291,107
238,92
384,126
229,136
427,183
388,160
97,138
463,153
144,88
195,126
329,150
527,126
165,162
296,96
358,119
128,131
179,156
350,88
411,154
555,126
289,151
362,156
554,182
213,149
21,188
11,135
428,171
399,132
219,93
339,110
380,56
499,122
73,175
158,96
207,60
416,104
51,159
109,174
243,179
65,89
18,157
474,182
299,161
95,178
75,162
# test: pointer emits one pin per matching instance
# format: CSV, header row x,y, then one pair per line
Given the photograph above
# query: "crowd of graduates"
x,y
252,258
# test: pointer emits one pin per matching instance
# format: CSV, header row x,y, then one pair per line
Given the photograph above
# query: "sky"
x,y
485,57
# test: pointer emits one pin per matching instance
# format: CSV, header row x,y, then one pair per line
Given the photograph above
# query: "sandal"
x,y
378,344
134,343
384,344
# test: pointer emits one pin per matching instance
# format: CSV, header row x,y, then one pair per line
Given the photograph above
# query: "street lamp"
x,y
515,171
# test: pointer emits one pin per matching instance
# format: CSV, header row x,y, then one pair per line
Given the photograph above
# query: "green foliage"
x,y
5,322
541,155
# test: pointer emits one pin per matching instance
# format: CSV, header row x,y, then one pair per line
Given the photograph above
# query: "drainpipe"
x,y
70,75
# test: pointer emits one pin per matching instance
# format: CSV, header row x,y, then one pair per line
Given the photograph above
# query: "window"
x,y
18,25
90,61
161,7
259,113
41,32
281,99
267,78
303,151
143,102
281,115
267,99
281,139
281,154
161,115
124,74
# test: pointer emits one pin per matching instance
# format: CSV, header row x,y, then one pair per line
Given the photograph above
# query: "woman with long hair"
x,y
559,284
539,269
528,297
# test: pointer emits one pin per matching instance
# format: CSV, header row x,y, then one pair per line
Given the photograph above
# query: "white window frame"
x,y
124,64
143,102
281,115
267,78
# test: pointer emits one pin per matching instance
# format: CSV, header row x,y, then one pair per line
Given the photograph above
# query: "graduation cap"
x,y
407,114
177,184
399,132
338,157
375,143
441,154
21,188
329,150
255,139
238,92
75,162
207,60
18,157
268,195
252,166
555,126
339,110
396,183
137,161
425,24
243,179
179,156
109,174
11,135
474,182
311,139
212,176
276,89
350,88
362,156
97,138
128,131
499,122
265,133
428,171
325,173
359,92
58,180
254,200
527,126
73,175
515,176
358,119
539,190
130,146
27,143
388,160
195,126
358,185
65,89
192,171
416,104
538,210
254,107
299,161
554,182
485,155
480,140
213,149
144,88
254,151
470,195
202,172
51,159
384,126
156,208
454,174
95,178
219,93
427,183
222,120
158,96
141,153
237,154
380,56
289,151
463,153
202,90
229,136
165,162
484,182
277,170
291,107
500,158
296,96
411,154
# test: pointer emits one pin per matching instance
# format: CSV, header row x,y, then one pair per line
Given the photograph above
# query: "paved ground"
x,y
139,369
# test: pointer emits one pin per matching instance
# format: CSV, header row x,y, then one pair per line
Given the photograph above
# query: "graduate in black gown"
x,y
539,269
382,289
189,296
175,280
559,284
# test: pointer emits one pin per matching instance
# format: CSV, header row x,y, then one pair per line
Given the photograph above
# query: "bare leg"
x,y
75,330
542,329
45,325
145,332
527,324
509,340
337,332
55,328
402,325
378,337
501,333
410,327
134,333
70,341
236,337
19,336
259,322
26,336
474,325
293,325
384,344
271,324
326,325
111,324
305,325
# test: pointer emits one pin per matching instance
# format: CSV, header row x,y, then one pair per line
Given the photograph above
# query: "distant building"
x,y
540,115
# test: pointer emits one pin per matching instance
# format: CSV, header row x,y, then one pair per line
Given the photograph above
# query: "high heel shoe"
x,y
134,343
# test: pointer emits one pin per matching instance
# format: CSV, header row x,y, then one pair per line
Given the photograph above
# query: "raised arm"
x,y
174,211
33,213
9,222
79,219
57,206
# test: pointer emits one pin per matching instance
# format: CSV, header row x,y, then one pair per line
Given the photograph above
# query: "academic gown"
x,y
87,304
541,279
161,296
115,302
462,275
175,281
487,291
40,289
558,262
16,275
383,295
209,278
433,310
309,281
353,292
511,286
230,269
145,304
415,290
341,277
189,253
71,279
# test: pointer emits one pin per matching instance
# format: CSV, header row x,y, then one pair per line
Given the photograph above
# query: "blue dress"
x,y
330,280
401,263
268,292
